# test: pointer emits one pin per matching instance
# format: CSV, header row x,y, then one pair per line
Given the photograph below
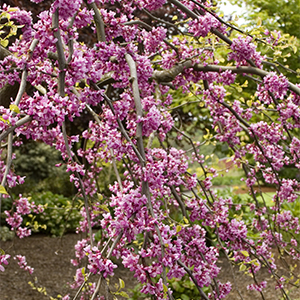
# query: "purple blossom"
x,y
151,4
203,24
276,84
258,287
153,39
151,121
242,50
67,9
23,263
98,264
3,260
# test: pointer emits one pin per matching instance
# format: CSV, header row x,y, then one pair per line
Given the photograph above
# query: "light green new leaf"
x,y
14,108
3,190
121,283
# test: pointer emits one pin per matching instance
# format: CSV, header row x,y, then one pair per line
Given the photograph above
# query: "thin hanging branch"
x,y
61,90
145,185
190,273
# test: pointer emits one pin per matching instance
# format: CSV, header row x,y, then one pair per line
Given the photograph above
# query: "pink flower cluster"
x,y
157,214
203,24
23,263
15,219
97,264
275,84
153,39
243,50
3,260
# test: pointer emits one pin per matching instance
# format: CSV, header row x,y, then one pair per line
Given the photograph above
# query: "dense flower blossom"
x,y
202,25
97,264
151,4
157,215
152,121
242,50
67,9
153,39
276,84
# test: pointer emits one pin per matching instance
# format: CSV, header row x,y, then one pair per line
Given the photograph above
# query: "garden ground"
x,y
50,258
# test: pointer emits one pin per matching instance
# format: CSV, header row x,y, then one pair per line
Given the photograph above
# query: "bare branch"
x,y
138,104
60,52
98,21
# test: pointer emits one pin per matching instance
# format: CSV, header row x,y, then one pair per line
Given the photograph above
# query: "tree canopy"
x,y
153,75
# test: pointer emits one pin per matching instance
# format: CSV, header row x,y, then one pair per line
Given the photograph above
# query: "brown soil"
x,y
50,258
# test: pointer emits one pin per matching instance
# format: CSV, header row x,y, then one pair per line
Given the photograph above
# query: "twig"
x,y
122,129
19,123
195,16
60,52
91,111
138,104
180,263
231,268
61,91
161,20
108,256
82,285
25,73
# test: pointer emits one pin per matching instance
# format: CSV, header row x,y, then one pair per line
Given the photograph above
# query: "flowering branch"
x,y
19,123
180,263
169,75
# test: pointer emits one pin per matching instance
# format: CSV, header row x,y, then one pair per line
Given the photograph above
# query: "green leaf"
x,y
186,221
274,35
178,228
104,207
121,283
4,43
245,253
165,288
2,252
123,294
249,103
14,108
3,190
185,297
259,21
243,267
295,49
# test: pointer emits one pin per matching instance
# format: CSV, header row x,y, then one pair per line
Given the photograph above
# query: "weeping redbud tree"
x,y
126,82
